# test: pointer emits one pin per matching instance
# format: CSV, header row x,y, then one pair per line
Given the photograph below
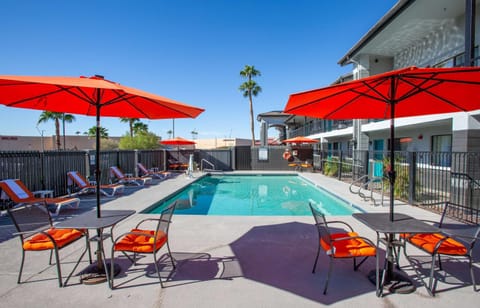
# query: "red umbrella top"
x,y
411,92
177,141
300,139
84,95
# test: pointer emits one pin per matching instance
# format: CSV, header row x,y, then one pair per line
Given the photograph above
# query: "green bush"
x,y
330,167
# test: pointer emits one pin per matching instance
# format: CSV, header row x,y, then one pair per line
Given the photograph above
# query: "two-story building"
x,y
423,33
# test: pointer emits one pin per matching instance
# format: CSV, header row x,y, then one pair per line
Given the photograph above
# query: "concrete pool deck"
x,y
227,261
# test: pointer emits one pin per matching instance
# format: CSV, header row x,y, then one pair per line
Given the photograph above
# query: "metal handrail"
x,y
207,162
473,182
365,186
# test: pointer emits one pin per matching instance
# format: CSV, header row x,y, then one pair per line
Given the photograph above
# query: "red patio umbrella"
x,y
177,141
93,96
401,93
299,140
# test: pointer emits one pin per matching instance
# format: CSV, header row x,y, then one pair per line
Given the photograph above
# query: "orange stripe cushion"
x,y
61,236
349,248
428,242
141,243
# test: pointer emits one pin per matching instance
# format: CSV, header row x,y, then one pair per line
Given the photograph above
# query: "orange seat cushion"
x,y
428,242
62,237
141,243
349,248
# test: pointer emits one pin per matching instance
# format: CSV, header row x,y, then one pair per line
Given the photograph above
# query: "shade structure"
x,y
177,141
300,140
406,92
91,96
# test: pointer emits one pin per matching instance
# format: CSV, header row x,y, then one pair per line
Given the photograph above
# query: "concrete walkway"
x,y
225,262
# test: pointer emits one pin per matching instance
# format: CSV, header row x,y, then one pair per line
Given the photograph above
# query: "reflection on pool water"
x,y
253,195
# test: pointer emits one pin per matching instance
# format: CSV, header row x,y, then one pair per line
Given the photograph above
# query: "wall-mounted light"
x,y
420,137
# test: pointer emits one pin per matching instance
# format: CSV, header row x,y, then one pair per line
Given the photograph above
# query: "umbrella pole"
x,y
97,160
391,172
100,266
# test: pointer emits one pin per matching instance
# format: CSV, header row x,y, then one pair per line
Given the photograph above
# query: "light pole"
x,y
41,135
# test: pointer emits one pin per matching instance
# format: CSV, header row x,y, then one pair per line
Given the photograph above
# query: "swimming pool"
x,y
253,195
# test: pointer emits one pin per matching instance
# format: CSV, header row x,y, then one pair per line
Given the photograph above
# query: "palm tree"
x,y
56,117
169,133
131,122
92,132
250,88
140,127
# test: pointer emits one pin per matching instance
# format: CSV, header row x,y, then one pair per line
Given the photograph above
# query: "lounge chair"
x,y
176,165
340,245
306,165
294,163
20,194
153,173
456,241
124,179
145,241
74,177
36,233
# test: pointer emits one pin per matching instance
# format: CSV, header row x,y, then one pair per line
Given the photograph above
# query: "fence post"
x,y
42,171
412,176
233,161
87,165
340,161
366,165
135,162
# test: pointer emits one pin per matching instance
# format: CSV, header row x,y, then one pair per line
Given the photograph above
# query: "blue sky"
x,y
190,51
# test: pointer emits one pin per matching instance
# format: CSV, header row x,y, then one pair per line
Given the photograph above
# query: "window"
x,y
458,60
441,150
378,149
442,143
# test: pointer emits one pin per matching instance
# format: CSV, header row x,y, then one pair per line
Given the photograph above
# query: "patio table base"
x,y
398,283
95,275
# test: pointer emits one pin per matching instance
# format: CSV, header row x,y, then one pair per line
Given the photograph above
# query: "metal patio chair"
x,y
455,241
36,233
340,245
145,241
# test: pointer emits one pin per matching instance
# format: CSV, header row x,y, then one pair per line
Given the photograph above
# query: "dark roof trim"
x,y
396,10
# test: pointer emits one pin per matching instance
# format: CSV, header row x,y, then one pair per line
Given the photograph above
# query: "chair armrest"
x,y
352,238
146,220
342,223
151,219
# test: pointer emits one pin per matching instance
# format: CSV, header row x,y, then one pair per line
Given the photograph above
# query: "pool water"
x,y
253,195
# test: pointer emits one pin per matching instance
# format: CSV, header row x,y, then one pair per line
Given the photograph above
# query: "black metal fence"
x,y
422,178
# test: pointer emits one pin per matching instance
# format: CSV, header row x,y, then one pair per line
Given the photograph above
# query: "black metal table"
x,y
381,223
96,273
